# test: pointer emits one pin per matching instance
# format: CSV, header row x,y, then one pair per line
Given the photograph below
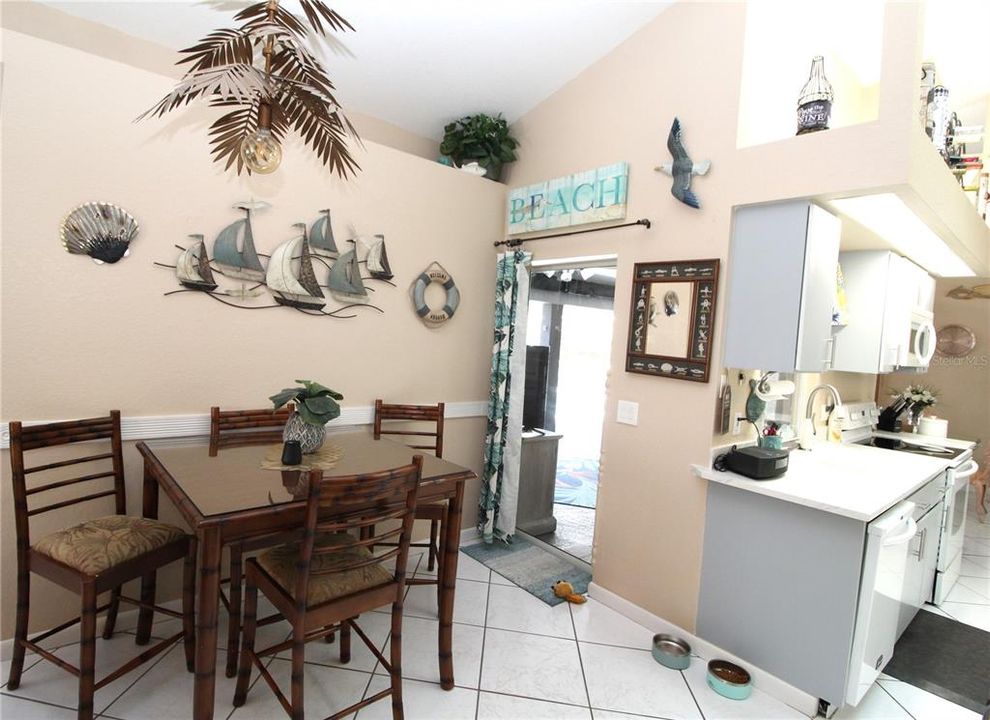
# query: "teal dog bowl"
x,y
729,680
671,652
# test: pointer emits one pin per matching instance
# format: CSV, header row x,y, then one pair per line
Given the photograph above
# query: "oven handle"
x,y
966,470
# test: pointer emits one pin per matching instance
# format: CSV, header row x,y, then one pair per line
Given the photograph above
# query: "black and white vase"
x,y
309,437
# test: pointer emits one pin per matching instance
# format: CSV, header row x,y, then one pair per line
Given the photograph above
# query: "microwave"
x,y
919,349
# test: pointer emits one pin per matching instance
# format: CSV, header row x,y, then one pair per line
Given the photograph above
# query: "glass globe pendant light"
x,y
260,151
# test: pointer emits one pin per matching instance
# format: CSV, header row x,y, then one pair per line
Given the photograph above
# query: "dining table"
x,y
231,498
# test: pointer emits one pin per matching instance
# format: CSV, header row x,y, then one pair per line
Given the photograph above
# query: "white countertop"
x,y
855,481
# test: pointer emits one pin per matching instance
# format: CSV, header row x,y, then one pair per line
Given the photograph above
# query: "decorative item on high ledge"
x,y
677,344
682,168
480,139
291,90
291,273
315,406
100,230
815,102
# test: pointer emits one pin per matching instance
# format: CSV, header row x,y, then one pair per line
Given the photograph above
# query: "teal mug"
x,y
771,442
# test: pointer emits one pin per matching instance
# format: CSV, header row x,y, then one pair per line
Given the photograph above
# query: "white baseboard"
x,y
770,684
152,427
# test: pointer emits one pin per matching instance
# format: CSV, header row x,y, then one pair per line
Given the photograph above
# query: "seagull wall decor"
x,y
682,168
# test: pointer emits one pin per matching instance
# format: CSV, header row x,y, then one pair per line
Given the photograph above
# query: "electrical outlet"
x,y
737,425
627,413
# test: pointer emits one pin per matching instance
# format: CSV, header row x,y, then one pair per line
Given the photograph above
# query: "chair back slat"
x,y
26,440
365,499
433,414
237,428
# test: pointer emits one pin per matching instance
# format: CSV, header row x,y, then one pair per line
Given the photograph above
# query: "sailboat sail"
x,y
243,263
286,288
378,260
345,275
321,236
193,267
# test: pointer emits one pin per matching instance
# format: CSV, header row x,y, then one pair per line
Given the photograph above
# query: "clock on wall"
x,y
955,341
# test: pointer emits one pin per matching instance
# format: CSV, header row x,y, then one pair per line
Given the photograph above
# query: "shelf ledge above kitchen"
x,y
854,481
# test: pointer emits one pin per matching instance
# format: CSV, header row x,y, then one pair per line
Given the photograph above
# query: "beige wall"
x,y
79,338
964,383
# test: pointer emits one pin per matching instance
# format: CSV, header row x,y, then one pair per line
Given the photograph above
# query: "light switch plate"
x,y
627,413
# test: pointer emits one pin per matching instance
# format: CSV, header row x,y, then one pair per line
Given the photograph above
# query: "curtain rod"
x,y
516,242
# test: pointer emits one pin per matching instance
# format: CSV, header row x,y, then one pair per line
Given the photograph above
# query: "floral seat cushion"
x,y
280,563
97,545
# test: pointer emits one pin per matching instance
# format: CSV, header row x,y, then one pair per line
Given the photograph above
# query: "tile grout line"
x,y
484,635
896,702
690,690
584,679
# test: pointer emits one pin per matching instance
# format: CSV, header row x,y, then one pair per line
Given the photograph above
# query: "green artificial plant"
x,y
316,404
482,139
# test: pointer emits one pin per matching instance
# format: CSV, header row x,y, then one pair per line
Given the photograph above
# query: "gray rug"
x,y
944,657
530,567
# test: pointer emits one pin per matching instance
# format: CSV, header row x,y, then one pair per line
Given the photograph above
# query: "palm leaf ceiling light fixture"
x,y
291,91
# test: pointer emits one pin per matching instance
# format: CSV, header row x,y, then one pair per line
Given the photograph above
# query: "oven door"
x,y
953,529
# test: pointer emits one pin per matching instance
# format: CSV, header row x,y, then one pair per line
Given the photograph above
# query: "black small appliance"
x,y
756,462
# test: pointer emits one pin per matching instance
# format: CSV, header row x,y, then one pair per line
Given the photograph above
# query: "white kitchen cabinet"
x,y
922,551
889,314
781,287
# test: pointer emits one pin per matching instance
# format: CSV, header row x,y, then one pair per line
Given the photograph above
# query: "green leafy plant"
x,y
315,403
482,139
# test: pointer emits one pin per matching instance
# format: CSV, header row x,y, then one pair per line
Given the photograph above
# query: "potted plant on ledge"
x,y
315,406
480,139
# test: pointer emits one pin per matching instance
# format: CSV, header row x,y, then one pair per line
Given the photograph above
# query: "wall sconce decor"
x,y
290,91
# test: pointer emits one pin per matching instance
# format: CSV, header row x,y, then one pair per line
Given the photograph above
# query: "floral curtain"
x,y
503,441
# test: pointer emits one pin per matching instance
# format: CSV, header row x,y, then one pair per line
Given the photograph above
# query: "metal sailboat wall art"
x,y
295,289
289,275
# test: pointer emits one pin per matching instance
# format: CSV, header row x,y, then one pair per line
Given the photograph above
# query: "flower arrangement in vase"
x,y
920,397
314,406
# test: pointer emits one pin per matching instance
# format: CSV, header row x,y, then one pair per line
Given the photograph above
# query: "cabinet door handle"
x,y
921,545
829,353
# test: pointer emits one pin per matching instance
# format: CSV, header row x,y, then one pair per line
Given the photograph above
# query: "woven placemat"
x,y
323,459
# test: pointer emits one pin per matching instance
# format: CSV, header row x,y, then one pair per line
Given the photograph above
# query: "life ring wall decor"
x,y
435,274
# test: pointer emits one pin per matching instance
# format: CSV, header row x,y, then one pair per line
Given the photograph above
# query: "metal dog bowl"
x,y
729,680
671,652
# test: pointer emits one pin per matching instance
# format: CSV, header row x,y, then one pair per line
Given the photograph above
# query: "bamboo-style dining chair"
x,y
240,428
429,419
322,584
93,556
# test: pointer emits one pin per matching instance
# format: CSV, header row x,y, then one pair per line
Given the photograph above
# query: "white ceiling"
x,y
421,63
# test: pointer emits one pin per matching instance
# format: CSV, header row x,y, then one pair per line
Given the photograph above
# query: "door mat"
x,y
944,657
530,567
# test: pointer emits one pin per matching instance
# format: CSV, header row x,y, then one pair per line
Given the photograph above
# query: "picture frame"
x,y
672,319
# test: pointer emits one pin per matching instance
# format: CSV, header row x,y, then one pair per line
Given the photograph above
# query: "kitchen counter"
x,y
855,481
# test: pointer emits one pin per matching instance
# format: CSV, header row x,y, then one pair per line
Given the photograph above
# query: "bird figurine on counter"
x,y
682,168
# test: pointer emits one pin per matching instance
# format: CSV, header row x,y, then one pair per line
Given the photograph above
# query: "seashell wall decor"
x,y
101,230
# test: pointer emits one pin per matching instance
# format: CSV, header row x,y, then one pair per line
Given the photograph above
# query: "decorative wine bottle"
x,y
815,101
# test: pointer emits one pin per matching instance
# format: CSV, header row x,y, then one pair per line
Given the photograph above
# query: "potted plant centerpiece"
x,y
921,398
480,139
314,406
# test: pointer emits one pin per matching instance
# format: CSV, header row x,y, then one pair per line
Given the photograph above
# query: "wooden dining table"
x,y
230,498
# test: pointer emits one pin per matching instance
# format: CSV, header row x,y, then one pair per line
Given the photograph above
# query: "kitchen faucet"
x,y
836,401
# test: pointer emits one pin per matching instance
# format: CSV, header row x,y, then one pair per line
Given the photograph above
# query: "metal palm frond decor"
x,y
291,91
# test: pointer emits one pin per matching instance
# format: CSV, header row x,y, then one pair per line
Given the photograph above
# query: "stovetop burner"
x,y
930,450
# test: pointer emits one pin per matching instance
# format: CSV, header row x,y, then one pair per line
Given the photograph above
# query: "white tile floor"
x,y
515,658
969,600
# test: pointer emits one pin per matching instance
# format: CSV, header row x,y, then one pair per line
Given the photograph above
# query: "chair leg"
x,y
442,548
21,626
434,533
395,659
234,618
111,619
298,669
247,644
146,616
189,605
345,642
87,652
329,637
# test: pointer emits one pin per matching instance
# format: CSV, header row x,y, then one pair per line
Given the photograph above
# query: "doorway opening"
x,y
569,341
